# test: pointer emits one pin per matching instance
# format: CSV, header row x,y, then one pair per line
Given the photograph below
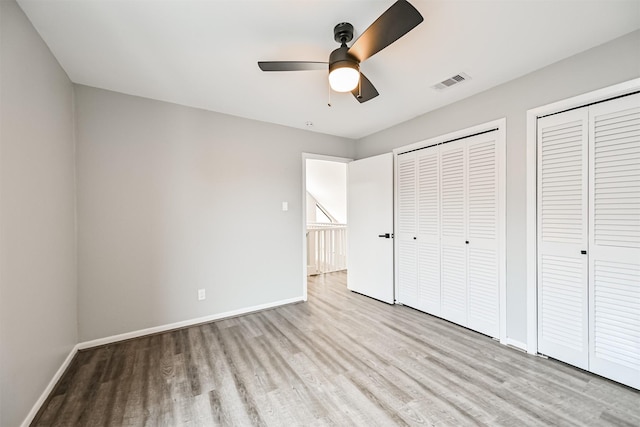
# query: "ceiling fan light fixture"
x,y
344,76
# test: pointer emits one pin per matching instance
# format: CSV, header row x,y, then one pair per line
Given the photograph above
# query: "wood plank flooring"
x,y
339,359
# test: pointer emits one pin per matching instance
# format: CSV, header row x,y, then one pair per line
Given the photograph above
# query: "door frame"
x,y
583,100
500,126
305,157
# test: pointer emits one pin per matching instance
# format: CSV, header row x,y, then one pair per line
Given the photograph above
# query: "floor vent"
x,y
451,81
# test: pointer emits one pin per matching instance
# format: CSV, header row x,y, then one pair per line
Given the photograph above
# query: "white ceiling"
x,y
204,53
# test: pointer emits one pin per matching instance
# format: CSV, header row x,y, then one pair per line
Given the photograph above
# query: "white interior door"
x,y
370,227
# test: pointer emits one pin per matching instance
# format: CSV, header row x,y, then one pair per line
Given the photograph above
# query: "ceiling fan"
x,y
344,62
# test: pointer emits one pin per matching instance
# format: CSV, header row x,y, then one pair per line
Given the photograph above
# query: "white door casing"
x,y
589,201
369,216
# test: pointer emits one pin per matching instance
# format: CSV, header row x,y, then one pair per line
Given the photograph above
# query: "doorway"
x,y
324,215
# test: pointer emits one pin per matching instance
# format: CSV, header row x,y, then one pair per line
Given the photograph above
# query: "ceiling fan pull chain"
x,y
329,104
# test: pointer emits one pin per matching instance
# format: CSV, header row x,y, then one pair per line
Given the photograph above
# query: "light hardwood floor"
x,y
339,359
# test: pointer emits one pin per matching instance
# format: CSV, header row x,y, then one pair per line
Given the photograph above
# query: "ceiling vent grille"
x,y
451,81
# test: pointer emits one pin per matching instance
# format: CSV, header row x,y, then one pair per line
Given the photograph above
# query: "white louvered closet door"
x,y
483,292
405,234
562,236
453,232
614,247
428,243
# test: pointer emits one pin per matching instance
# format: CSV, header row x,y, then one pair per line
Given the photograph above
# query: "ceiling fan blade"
x,y
292,65
394,23
365,90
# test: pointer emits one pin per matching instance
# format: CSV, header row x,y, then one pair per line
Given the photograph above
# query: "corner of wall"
x,y
74,127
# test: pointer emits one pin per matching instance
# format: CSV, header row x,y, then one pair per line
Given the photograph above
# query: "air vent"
x,y
451,81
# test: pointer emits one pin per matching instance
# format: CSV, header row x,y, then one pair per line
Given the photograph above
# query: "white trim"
x,y
531,147
305,157
185,323
501,142
532,233
47,391
140,333
515,343
396,209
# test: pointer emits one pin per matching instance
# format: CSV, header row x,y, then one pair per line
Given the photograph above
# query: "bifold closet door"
x,y
483,284
562,237
614,246
448,245
453,179
428,242
406,234
419,230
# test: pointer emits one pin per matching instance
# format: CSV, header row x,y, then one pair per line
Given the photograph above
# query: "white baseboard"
x,y
515,343
184,324
142,332
45,394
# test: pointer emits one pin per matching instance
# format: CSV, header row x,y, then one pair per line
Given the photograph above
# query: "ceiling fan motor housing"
x,y
342,58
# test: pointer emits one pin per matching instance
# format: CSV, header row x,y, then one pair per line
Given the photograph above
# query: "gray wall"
x,y
605,65
38,315
172,199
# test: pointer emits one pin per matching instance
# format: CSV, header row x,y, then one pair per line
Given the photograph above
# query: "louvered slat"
x,y
483,292
562,181
407,194
562,296
454,284
452,198
617,149
617,313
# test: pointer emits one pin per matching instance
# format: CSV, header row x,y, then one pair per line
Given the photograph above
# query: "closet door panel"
x,y
614,250
453,232
406,231
562,236
428,242
483,293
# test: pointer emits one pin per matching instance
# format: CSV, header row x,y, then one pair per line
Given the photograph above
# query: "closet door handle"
x,y
385,235
466,242
583,252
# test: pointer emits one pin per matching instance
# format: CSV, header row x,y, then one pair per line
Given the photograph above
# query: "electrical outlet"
x,y
201,294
